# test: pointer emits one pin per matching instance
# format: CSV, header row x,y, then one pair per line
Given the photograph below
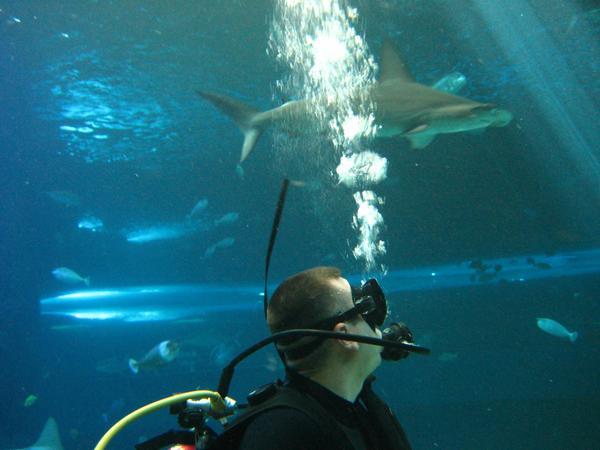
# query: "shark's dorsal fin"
x,y
392,65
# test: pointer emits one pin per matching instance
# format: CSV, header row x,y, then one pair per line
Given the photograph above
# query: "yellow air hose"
x,y
216,402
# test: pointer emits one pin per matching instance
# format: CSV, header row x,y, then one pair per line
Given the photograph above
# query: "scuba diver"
x,y
326,401
327,333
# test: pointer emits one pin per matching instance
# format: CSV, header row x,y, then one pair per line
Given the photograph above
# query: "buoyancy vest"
x,y
390,434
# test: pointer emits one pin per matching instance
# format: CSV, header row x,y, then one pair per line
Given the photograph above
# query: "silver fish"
x,y
69,276
159,356
556,329
451,83
227,219
90,223
223,243
66,198
198,208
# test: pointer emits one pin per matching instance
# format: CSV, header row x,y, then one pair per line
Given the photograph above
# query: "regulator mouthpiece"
x,y
397,332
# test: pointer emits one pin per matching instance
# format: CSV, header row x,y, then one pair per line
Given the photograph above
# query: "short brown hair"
x,y
303,299
299,302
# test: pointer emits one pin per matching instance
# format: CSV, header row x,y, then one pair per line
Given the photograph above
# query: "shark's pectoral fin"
x,y
418,137
417,129
420,140
250,138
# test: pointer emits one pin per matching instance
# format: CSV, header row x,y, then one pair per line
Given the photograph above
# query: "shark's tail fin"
x,y
243,115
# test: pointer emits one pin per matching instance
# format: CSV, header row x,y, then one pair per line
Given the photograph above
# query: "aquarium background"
x,y
99,99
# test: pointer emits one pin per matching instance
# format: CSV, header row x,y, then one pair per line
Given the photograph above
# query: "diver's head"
x,y
321,298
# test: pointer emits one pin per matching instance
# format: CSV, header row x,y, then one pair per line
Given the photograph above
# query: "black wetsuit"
x,y
342,424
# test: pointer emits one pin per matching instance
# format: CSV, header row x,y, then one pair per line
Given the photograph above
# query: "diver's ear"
x,y
342,327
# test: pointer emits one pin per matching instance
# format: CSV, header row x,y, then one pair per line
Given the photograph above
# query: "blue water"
x,y
98,99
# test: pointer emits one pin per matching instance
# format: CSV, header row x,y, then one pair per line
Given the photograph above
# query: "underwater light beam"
x,y
567,112
176,302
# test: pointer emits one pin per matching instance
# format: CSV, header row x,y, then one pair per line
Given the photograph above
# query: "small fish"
x,y
477,264
30,400
227,219
309,185
198,208
159,356
451,83
69,276
90,223
225,243
210,251
540,265
224,352
273,363
66,198
556,329
115,410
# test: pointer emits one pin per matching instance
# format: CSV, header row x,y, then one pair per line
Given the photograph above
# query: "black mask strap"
x,y
274,230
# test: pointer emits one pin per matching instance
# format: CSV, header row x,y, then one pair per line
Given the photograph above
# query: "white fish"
x,y
69,276
309,185
224,243
159,356
227,219
210,251
556,329
90,223
224,352
452,83
198,208
66,198
49,438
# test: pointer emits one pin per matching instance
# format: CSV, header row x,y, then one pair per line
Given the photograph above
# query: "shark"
x,y
49,438
402,107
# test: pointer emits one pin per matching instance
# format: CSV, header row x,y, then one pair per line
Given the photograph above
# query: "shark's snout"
x,y
491,115
502,117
